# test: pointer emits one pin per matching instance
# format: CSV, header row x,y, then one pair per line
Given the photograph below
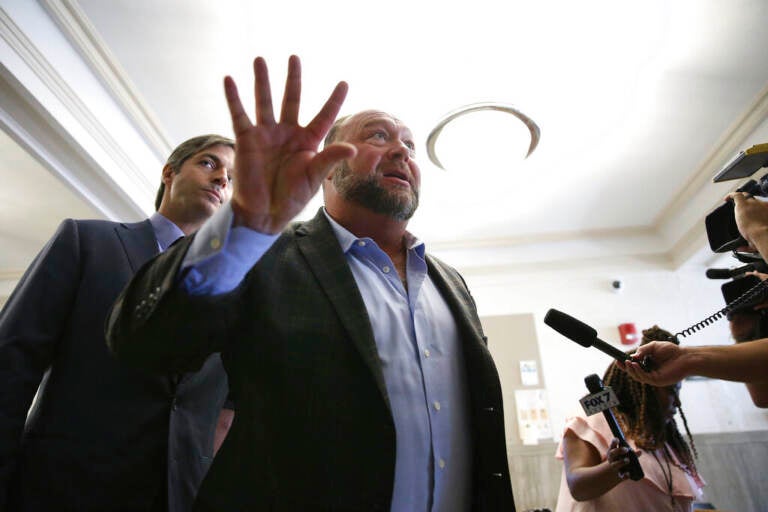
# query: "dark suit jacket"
x,y
100,434
313,429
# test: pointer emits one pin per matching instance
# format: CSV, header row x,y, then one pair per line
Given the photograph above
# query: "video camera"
x,y
724,236
722,232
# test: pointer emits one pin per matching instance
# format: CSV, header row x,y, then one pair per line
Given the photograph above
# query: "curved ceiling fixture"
x,y
476,107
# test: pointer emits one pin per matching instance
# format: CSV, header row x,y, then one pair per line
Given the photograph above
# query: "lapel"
x,y
138,241
456,295
140,245
320,247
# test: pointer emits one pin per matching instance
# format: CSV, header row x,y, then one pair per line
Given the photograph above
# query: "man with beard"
x,y
357,362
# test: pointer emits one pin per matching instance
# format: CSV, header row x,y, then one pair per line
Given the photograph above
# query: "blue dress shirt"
x,y
418,344
166,232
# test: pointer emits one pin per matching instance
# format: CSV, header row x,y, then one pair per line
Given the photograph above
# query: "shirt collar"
x,y
166,232
346,239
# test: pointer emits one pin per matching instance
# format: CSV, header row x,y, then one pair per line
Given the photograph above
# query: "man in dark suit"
x,y
101,436
357,362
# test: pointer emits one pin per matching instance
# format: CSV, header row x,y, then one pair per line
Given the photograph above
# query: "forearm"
x,y
157,326
743,362
587,483
759,393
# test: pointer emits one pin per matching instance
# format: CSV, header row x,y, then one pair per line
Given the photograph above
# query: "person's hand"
x,y
668,363
277,166
618,460
751,217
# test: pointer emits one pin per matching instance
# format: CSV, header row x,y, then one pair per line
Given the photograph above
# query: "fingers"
x,y
262,92
634,370
757,274
737,197
292,95
240,121
617,458
322,122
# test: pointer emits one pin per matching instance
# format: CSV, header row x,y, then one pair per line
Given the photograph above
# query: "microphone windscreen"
x,y
719,273
571,328
594,383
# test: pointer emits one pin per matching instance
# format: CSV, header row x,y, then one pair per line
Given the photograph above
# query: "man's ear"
x,y
168,175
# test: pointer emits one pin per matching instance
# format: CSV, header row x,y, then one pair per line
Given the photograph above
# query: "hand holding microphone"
x,y
620,454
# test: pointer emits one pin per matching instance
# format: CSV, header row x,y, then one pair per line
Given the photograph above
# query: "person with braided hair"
x,y
595,473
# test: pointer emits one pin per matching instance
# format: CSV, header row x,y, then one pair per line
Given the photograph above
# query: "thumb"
x,y
324,161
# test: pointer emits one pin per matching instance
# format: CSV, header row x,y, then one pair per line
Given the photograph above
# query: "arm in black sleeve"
x,y
157,326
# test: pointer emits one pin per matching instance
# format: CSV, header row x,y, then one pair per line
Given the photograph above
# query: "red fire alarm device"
x,y
628,333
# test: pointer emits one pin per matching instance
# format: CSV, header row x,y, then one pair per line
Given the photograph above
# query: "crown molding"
x,y
729,144
542,238
43,113
30,126
682,221
81,33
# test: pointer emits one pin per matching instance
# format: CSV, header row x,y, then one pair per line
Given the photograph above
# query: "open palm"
x,y
277,166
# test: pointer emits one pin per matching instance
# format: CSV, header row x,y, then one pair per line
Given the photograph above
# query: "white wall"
x,y
650,295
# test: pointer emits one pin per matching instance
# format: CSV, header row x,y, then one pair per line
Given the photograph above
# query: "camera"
x,y
736,292
743,292
722,232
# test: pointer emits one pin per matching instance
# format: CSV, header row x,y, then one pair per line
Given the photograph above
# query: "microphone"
x,y
727,273
595,385
586,336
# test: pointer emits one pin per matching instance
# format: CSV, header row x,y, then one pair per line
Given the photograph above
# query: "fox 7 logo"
x,y
600,401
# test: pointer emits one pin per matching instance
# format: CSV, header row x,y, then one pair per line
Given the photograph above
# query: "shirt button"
x,y
361,243
426,352
437,405
215,243
385,269
441,463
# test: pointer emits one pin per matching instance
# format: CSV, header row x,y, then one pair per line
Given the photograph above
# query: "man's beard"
x,y
367,192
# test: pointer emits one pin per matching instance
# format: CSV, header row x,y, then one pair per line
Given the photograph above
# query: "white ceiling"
x,y
639,104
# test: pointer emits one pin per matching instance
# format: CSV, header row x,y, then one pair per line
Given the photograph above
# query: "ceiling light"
x,y
491,129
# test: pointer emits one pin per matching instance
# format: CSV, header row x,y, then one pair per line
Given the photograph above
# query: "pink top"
x,y
650,493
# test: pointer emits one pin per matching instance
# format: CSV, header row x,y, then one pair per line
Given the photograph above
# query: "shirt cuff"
x,y
221,255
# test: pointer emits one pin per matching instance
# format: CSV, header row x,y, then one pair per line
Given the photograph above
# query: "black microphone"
x,y
727,273
586,336
595,385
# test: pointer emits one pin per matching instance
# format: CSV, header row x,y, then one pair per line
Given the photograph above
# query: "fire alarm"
x,y
628,333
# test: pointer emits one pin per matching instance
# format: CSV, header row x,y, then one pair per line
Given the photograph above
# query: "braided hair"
x,y
642,416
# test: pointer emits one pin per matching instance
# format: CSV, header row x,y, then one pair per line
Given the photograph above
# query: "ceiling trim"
x,y
682,221
729,144
541,238
26,122
489,275
27,115
81,33
38,64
